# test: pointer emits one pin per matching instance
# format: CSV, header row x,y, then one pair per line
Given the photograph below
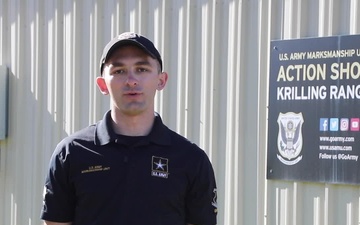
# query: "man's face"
x,y
131,78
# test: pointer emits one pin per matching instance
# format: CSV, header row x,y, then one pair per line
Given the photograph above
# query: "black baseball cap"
x,y
130,38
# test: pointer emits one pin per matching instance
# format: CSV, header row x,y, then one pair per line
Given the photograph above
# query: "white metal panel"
x,y
216,54
3,101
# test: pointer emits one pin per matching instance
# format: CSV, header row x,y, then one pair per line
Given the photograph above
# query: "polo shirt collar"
x,y
104,133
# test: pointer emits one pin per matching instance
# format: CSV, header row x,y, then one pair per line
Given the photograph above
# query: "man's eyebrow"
x,y
139,63
117,64
145,62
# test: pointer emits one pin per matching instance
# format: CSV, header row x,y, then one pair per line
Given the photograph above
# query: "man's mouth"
x,y
132,93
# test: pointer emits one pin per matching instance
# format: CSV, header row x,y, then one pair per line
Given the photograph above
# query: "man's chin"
x,y
134,110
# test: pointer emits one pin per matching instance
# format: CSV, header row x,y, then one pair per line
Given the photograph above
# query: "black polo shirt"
x,y
98,177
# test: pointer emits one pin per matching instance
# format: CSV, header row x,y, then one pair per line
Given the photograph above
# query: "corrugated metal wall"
x,y
216,53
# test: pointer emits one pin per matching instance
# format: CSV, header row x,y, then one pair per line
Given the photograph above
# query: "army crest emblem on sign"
x,y
290,140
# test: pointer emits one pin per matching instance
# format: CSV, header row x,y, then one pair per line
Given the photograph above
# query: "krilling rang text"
x,y
318,92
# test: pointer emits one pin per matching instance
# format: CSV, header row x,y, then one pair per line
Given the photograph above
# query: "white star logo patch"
x,y
160,167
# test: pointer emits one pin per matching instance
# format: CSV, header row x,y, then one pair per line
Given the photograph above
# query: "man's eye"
x,y
118,72
142,70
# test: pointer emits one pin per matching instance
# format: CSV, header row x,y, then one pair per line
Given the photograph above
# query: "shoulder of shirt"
x,y
184,144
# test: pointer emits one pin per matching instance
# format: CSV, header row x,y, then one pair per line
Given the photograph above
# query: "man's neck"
x,y
138,125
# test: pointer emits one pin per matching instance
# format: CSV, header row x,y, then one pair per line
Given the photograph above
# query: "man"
x,y
129,168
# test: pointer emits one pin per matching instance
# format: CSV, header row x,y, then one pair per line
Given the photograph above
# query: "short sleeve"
x,y
59,197
201,200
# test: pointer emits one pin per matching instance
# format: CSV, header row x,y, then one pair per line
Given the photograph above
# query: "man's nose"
x,y
131,79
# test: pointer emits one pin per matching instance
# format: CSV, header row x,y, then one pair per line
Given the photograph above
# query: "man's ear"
x,y
102,85
163,77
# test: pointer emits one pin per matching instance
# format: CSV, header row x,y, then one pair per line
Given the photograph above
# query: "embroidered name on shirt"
x,y
95,169
160,167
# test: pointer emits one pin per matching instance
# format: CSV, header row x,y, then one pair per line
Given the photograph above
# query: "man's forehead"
x,y
120,63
